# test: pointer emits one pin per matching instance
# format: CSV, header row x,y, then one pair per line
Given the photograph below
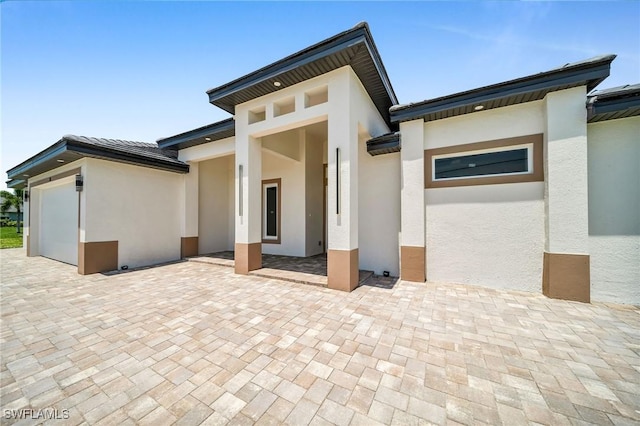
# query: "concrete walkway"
x,y
188,343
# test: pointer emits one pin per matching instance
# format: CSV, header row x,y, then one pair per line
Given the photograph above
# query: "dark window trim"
x,y
278,183
537,174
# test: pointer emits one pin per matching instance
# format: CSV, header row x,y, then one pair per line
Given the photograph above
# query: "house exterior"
x,y
530,184
10,214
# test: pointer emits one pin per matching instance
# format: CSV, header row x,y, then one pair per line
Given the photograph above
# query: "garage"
x,y
58,227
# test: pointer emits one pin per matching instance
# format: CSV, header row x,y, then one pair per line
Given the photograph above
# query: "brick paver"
x,y
191,343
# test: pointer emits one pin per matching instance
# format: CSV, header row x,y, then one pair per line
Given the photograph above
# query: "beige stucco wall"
x,y
296,158
379,220
137,207
213,205
614,210
314,193
489,235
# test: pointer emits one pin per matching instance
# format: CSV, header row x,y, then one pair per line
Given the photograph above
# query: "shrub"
x,y
7,223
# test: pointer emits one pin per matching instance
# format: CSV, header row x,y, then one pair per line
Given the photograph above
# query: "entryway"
x,y
304,270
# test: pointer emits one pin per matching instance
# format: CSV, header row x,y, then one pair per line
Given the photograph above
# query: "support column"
x,y
248,189
25,222
189,239
566,272
412,239
342,189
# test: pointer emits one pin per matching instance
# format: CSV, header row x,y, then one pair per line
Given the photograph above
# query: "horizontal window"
x,y
480,164
510,160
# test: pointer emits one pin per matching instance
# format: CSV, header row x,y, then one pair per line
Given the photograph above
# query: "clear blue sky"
x,y
139,70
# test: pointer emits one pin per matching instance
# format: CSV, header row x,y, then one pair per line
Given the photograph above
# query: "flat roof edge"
x,y
360,34
124,157
208,130
590,73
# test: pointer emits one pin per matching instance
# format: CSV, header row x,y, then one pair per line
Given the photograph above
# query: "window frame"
x,y
534,173
272,183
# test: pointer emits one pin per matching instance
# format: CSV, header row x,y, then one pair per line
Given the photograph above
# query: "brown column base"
x,y
188,246
412,264
566,276
96,257
248,257
28,242
342,269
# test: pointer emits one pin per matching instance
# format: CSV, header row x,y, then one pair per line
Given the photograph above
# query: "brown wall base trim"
x,y
412,264
566,276
342,269
28,242
188,246
97,256
248,257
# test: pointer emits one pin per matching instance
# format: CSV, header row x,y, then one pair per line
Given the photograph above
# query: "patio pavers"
x,y
303,270
190,343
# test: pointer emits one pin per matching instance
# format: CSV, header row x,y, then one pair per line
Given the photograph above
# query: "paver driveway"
x,y
187,343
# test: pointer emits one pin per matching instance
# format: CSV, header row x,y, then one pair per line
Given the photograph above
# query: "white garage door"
x,y
59,222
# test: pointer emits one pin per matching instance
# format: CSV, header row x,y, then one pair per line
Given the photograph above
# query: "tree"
x,y
13,200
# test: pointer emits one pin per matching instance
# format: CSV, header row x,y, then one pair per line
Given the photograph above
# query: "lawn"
x,y
9,238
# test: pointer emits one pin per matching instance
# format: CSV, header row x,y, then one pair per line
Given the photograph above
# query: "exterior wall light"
x,y
26,195
79,183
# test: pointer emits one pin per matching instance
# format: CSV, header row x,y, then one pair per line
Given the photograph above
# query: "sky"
x,y
139,70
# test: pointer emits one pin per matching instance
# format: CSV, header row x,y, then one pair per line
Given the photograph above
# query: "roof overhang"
x,y
587,73
354,47
614,103
71,148
384,144
205,134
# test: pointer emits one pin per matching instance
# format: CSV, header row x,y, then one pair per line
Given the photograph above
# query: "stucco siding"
x,y
213,201
379,221
138,207
291,173
489,235
614,210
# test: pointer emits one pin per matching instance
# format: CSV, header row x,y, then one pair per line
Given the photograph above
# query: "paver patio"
x,y
188,342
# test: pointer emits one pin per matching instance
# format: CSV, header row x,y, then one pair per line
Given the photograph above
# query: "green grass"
x,y
9,238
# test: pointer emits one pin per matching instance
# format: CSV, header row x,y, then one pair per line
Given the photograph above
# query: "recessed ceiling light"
x,y
277,83
207,139
478,107
25,175
60,160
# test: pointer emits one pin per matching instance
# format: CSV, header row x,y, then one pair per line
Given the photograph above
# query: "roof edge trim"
x,y
591,72
209,130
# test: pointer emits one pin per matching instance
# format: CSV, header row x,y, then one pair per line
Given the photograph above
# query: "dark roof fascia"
x,y
88,150
359,34
51,152
590,74
215,131
613,105
16,183
625,102
385,144
123,157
